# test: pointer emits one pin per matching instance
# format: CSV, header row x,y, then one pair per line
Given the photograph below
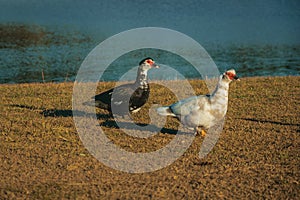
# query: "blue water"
x,y
59,62
38,54
257,38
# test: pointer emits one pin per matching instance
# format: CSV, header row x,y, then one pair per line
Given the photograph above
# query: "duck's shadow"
x,y
107,119
111,123
269,121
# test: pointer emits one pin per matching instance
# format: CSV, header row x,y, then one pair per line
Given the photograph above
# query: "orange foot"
x,y
203,133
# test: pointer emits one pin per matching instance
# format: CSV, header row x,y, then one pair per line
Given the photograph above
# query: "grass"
x,y
256,156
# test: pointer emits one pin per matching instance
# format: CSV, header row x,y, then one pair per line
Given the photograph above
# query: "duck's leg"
x,y
203,133
199,130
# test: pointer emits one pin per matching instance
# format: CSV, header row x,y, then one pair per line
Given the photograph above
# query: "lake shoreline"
x,y
150,81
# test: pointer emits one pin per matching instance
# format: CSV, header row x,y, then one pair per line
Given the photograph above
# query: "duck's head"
x,y
147,63
230,75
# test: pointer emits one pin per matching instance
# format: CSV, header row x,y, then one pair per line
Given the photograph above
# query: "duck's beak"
x,y
154,65
237,78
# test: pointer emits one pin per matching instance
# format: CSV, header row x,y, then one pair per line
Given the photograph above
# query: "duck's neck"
x,y
141,79
221,90
219,98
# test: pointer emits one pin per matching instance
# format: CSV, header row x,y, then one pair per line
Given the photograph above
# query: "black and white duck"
x,y
128,98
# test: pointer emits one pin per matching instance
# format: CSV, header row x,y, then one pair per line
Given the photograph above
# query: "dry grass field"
x,y
256,157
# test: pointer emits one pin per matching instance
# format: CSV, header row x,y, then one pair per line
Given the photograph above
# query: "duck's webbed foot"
x,y
200,130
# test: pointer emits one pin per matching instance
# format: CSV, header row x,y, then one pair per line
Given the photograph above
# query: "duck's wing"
x,y
122,94
114,96
191,104
125,98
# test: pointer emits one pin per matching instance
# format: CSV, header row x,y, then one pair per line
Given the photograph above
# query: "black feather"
x,y
136,96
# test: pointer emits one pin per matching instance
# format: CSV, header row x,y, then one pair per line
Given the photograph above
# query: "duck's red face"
x,y
231,75
151,63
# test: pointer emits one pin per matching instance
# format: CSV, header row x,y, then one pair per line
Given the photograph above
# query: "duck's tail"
x,y
96,103
165,111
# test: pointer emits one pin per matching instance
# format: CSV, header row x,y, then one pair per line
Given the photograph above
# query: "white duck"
x,y
202,112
